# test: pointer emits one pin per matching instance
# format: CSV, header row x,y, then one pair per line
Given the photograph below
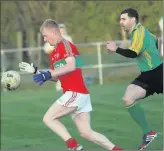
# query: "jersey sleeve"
x,y
67,49
51,65
138,40
71,50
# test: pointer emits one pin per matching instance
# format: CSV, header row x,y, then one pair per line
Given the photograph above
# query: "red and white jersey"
x,y
72,81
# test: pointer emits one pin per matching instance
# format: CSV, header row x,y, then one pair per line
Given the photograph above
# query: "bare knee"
x,y
127,100
47,119
133,93
86,134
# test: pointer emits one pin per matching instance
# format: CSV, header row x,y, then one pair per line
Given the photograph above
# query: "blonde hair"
x,y
49,23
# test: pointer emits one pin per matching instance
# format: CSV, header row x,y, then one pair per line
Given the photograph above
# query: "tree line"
x,y
86,21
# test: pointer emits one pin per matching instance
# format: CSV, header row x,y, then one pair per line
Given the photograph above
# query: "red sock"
x,y
117,148
71,143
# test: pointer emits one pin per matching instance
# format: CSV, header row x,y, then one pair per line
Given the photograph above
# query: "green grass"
x,y
22,111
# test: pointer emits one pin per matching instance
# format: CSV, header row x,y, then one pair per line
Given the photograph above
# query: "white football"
x,y
10,80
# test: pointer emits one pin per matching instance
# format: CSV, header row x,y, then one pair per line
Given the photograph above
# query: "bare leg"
x,y
82,122
51,119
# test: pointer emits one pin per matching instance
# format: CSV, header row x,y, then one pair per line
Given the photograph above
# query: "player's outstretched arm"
x,y
67,68
126,52
54,74
111,46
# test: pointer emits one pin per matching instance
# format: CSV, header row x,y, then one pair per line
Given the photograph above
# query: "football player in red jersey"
x,y
66,66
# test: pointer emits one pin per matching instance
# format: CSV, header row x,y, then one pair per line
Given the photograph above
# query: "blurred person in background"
x,y
144,49
64,34
48,48
66,64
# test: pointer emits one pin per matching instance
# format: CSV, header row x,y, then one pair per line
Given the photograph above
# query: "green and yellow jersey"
x,y
144,44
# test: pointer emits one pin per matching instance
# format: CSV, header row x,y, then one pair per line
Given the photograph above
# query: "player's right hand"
x,y
26,67
42,77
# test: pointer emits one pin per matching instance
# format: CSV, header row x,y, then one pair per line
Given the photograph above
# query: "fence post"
x,y
19,46
3,69
160,45
99,63
40,50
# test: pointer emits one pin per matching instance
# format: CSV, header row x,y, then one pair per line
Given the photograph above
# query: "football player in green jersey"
x,y
144,50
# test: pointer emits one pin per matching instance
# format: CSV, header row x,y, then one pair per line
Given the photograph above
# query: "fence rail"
x,y
11,57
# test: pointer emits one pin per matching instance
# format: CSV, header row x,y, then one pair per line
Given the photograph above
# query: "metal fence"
x,y
95,58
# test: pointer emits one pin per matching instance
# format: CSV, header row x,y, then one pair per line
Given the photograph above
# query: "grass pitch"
x,y
22,112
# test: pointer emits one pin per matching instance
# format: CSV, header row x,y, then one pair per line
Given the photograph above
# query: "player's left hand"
x,y
42,77
26,67
111,46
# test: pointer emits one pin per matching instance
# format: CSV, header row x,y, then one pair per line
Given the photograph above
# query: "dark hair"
x,y
131,13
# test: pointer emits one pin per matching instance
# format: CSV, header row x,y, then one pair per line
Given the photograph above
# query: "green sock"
x,y
138,115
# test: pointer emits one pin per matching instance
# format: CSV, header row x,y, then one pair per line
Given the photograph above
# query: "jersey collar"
x,y
136,26
59,41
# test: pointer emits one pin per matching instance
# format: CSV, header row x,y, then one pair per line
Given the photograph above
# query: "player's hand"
x,y
26,67
111,46
42,77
